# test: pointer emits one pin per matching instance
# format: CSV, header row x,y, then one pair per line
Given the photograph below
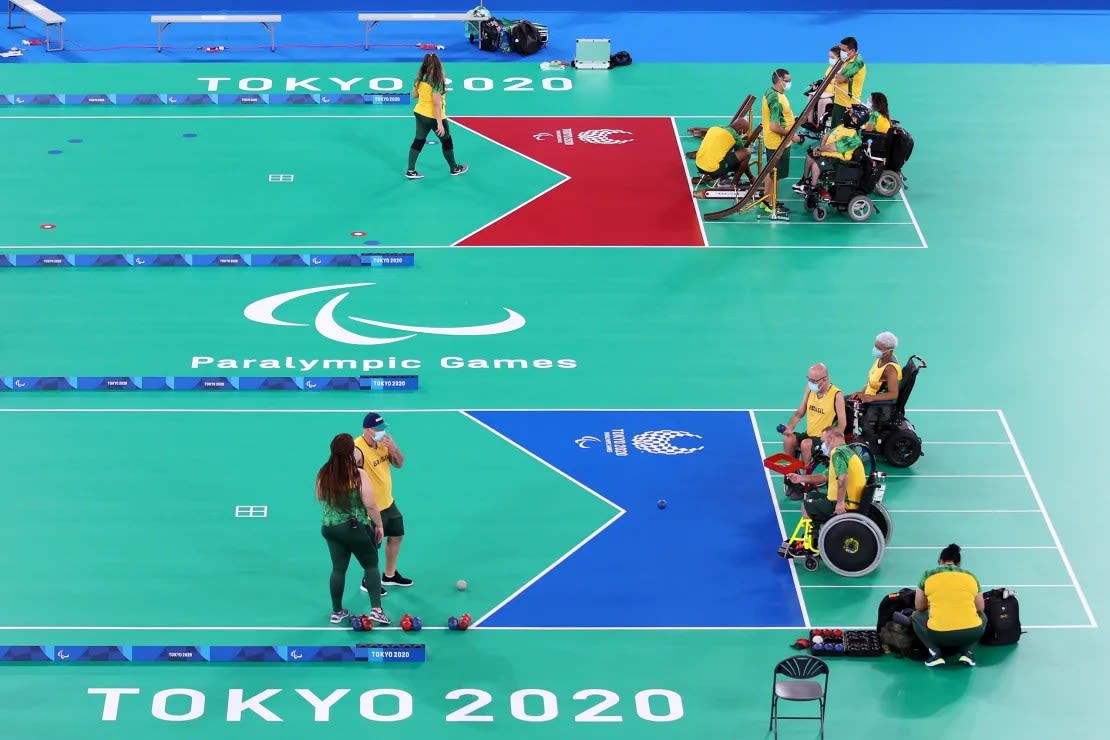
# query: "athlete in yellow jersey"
x,y
846,479
722,152
377,454
822,406
885,375
879,122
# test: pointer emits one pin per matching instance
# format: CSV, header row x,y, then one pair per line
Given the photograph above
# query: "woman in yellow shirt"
x,y
430,91
949,609
879,122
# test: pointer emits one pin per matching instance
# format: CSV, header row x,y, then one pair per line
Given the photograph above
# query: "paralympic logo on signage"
x,y
657,442
262,311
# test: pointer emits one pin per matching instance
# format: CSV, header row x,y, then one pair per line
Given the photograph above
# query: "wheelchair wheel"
x,y
819,213
889,184
881,517
851,545
810,564
860,208
901,447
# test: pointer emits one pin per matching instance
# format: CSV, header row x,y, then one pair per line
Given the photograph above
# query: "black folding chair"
x,y
798,686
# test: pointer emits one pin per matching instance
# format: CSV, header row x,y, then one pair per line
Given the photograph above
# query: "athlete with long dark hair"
x,y
347,498
430,90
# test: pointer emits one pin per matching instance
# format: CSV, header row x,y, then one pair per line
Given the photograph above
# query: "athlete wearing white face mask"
x,y
885,374
822,406
778,119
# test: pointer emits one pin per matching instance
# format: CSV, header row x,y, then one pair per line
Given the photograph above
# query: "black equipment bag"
x,y
489,35
1003,619
894,602
524,38
899,148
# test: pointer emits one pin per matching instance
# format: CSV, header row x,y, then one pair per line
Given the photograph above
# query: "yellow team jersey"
x,y
857,478
850,139
424,104
848,93
718,142
776,107
951,593
875,377
375,461
820,412
880,122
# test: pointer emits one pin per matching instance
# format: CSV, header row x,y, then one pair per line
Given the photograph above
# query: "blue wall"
x,y
606,6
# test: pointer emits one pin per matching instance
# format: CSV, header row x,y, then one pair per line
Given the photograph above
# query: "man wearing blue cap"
x,y
377,454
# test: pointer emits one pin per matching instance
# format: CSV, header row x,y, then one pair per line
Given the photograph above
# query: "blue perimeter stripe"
x,y
993,36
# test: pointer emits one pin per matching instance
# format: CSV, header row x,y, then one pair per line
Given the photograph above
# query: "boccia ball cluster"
x,y
361,623
459,623
826,641
410,623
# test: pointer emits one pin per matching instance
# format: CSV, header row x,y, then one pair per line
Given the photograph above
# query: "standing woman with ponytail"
x,y
347,498
430,91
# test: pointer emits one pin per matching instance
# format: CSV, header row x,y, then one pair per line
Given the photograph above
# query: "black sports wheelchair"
x,y
876,166
851,544
882,426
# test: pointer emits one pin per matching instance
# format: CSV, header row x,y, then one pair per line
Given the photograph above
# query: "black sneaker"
x,y
967,658
362,587
934,659
396,580
413,175
339,616
459,169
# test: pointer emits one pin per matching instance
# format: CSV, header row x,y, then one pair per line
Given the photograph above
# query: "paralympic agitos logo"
x,y
327,325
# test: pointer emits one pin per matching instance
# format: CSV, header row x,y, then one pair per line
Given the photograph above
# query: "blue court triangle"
x,y
709,559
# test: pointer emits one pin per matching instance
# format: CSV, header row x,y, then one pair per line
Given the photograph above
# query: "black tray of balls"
x,y
849,643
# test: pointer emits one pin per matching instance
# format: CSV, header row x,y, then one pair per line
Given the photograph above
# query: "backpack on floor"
x,y
894,602
901,640
489,35
524,38
1003,619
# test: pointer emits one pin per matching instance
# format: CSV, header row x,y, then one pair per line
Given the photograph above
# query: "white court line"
x,y
1048,520
146,628
769,628
821,223
620,512
686,174
782,526
962,475
938,548
913,219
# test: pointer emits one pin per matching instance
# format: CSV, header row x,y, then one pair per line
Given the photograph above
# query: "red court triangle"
x,y
628,184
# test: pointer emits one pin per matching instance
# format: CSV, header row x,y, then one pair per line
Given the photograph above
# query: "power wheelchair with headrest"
x,y
882,425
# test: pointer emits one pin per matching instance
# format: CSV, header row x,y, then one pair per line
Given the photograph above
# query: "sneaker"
x,y
413,175
934,659
379,616
799,187
362,587
396,580
967,658
459,169
339,616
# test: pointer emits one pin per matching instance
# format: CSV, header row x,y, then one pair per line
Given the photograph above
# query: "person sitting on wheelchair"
x,y
846,479
822,406
838,146
879,120
723,152
883,381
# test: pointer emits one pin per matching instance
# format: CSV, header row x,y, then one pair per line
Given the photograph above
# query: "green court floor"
x,y
117,508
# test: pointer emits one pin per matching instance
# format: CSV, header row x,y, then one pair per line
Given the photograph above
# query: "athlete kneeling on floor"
x,y
723,153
